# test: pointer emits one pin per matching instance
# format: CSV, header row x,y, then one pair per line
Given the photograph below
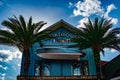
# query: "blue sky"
x,y
74,12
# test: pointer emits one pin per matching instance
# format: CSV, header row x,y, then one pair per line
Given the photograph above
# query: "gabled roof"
x,y
62,23
112,67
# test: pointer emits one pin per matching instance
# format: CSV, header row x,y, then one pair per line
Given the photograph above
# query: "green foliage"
x,y
21,33
98,35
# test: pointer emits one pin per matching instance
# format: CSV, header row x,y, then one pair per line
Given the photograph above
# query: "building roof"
x,y
62,23
112,68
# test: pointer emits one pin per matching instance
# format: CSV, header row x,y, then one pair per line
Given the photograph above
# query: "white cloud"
x,y
109,54
113,50
2,76
93,7
4,28
114,20
18,65
70,4
8,55
87,8
5,68
109,9
82,21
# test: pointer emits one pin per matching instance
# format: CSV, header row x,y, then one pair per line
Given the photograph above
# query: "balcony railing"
x,y
58,77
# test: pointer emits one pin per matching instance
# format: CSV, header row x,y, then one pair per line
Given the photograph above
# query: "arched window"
x,y
42,69
37,70
80,68
77,70
46,70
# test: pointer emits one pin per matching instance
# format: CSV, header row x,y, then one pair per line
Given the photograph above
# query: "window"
x,y
77,69
38,68
42,69
37,71
46,70
80,68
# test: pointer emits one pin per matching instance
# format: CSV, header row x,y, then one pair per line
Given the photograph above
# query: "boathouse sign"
x,y
63,35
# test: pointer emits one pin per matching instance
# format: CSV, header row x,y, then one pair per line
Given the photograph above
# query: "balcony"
x,y
60,53
59,77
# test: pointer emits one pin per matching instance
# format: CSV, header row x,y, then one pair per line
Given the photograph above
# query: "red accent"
x,y
103,63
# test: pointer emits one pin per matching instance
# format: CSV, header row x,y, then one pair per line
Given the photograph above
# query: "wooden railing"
x,y
57,78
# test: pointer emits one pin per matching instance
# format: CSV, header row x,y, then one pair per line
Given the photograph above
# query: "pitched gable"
x,y
62,24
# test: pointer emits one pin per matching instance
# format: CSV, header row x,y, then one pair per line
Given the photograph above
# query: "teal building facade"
x,y
53,57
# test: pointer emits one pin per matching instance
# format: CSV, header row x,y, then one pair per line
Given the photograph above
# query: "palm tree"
x,y
98,35
23,35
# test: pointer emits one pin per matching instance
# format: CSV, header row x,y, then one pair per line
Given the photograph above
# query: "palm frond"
x,y
38,26
98,33
22,23
22,33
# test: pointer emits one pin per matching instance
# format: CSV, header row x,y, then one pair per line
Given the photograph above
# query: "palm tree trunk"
x,y
41,70
97,63
26,61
